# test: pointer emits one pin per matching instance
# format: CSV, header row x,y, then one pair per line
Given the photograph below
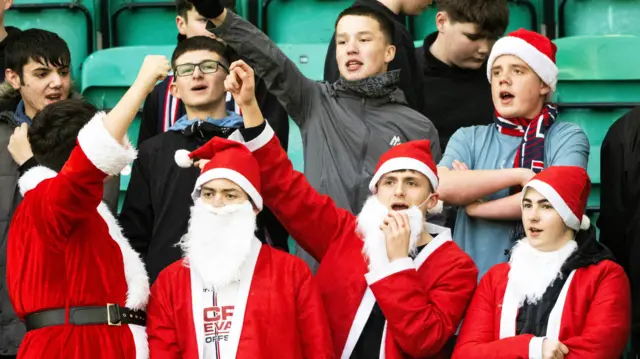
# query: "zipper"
x,y
365,148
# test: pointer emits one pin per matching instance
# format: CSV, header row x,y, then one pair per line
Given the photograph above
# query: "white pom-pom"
x,y
437,209
586,223
182,158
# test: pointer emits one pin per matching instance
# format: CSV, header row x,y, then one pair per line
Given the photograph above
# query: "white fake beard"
x,y
218,242
532,271
369,220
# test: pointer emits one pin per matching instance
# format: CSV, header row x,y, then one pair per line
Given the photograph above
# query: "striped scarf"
x,y
530,153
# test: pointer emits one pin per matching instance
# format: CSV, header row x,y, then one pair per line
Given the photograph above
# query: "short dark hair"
x,y
38,45
198,43
55,129
386,25
183,6
491,16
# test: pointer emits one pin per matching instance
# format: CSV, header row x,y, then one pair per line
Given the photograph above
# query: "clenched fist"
x,y
208,8
154,68
241,83
553,349
19,146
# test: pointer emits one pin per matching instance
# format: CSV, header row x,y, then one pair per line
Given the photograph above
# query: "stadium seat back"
x,y
107,75
599,17
142,22
302,21
598,82
72,21
309,58
522,14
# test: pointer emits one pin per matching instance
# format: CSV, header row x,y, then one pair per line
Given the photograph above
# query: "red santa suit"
x,y
276,310
66,250
423,300
590,314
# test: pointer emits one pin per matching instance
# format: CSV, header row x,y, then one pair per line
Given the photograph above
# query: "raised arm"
x,y
102,150
296,92
313,220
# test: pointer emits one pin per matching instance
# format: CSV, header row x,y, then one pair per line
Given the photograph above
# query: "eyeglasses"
x,y
206,67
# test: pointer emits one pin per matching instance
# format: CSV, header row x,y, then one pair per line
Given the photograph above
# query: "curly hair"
x,y
55,129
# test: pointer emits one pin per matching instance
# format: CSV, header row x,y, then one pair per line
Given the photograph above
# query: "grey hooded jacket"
x,y
345,126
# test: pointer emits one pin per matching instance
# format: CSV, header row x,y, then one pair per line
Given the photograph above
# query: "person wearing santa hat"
x,y
561,295
231,296
484,166
393,285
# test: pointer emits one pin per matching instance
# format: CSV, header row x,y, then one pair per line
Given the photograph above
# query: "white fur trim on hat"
x,y
182,158
539,62
104,151
231,175
569,218
403,163
585,223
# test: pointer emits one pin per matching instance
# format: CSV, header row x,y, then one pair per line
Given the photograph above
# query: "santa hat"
x,y
536,50
567,189
229,160
412,155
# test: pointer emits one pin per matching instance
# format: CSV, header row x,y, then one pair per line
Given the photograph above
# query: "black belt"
x,y
111,314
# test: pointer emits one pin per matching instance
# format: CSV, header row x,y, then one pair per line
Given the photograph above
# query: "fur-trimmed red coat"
x,y
278,313
423,300
65,249
591,317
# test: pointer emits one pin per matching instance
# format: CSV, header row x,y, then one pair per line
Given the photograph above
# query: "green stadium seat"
x,y
599,81
308,21
106,77
522,14
142,22
598,17
308,57
72,20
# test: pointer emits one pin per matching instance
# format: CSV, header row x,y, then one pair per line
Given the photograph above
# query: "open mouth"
x,y
399,207
54,97
199,88
505,95
535,231
353,65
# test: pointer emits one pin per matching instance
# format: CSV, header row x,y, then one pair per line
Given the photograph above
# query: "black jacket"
x,y
619,220
405,59
156,209
453,97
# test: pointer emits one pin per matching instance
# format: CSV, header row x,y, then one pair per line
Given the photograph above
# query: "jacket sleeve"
x,y
312,219
331,71
608,323
421,320
477,335
137,215
161,331
274,112
150,113
614,192
313,325
112,193
296,92
77,190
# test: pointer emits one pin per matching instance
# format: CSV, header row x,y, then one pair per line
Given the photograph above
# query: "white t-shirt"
x,y
218,317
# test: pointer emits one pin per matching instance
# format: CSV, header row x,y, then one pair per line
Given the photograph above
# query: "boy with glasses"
x,y
155,213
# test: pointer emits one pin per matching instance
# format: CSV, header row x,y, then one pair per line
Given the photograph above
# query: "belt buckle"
x,y
118,322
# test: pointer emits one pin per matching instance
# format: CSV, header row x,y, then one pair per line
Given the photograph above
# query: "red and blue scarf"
x,y
530,152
